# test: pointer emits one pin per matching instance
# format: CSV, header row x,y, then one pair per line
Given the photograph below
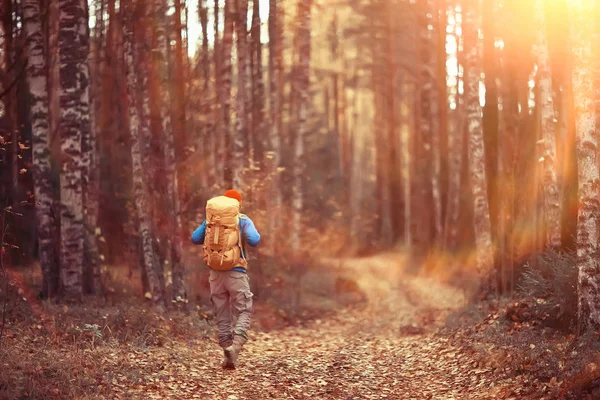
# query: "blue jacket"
x,y
247,229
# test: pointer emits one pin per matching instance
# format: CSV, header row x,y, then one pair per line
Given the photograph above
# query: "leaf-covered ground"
x,y
386,350
389,347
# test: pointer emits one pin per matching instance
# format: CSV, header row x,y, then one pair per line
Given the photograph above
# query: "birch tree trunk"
x,y
140,187
53,72
303,84
168,144
587,152
8,15
225,85
209,128
150,147
483,239
39,114
548,126
92,278
72,89
258,92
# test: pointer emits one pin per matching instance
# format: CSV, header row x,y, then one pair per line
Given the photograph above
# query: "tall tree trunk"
x,y
423,201
241,129
483,239
209,128
382,163
226,73
258,92
152,128
7,82
179,126
54,73
507,137
396,125
441,23
91,273
38,88
587,145
168,144
179,107
548,127
275,112
108,72
72,96
217,138
140,187
431,126
302,84
391,213
490,110
456,128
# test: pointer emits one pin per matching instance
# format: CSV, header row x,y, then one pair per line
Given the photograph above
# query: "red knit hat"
x,y
234,194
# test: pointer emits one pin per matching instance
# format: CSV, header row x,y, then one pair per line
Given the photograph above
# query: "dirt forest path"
x,y
386,350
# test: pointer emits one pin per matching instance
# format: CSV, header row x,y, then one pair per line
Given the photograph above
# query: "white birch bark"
x,y
89,168
588,284
39,114
71,59
303,83
548,126
208,126
168,142
259,138
455,161
483,237
140,186
225,150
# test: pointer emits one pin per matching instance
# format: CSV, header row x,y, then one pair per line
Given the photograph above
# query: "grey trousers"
x,y
232,301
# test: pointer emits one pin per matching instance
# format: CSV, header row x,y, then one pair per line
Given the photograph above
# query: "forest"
x,y
424,175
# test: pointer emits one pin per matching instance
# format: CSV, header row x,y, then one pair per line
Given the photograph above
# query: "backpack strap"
x,y
241,216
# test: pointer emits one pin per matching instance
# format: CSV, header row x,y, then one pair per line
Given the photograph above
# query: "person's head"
x,y
234,194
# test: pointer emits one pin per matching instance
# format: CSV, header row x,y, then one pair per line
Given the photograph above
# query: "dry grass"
x,y
63,352
544,361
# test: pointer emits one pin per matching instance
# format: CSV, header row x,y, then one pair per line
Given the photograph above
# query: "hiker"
x,y
224,234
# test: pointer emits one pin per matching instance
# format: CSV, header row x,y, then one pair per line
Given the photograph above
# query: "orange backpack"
x,y
223,239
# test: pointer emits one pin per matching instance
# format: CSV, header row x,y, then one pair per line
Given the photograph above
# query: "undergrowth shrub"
x,y
302,289
551,283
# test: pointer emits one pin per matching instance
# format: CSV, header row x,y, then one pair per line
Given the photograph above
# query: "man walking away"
x,y
224,234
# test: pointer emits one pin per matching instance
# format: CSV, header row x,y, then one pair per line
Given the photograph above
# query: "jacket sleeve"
x,y
198,235
250,233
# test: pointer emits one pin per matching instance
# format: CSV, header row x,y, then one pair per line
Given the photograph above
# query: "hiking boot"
x,y
232,352
227,361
